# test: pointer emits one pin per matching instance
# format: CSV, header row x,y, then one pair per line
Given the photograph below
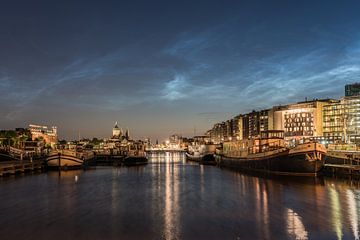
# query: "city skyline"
x,y
164,68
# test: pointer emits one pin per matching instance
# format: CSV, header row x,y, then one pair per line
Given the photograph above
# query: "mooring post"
x,y
59,161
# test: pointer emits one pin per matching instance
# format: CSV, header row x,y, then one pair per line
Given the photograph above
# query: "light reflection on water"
x,y
353,213
295,226
173,199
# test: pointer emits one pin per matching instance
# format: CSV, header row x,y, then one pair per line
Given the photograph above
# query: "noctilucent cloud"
x,y
163,67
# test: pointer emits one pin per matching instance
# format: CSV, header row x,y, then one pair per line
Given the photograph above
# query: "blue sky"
x,y
163,67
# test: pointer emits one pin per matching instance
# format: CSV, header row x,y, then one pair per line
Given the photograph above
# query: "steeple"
x,y
127,134
116,132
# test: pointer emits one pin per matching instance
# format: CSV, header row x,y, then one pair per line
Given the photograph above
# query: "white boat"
x,y
202,153
68,158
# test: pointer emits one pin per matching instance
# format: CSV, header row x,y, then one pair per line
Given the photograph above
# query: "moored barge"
x,y
269,154
68,159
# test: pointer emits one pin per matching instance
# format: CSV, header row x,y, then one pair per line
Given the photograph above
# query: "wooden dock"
x,y
17,167
342,169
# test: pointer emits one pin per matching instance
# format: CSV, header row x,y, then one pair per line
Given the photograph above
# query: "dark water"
x,y
172,199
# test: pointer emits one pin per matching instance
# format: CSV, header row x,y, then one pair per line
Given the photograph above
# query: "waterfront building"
x,y
218,132
333,122
119,142
229,129
352,118
266,121
235,128
324,120
47,134
300,120
240,127
243,126
255,122
342,120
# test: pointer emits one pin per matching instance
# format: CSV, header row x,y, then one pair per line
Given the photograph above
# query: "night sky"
x,y
163,67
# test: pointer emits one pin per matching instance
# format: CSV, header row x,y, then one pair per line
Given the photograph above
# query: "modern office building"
x,y
300,120
218,132
352,89
352,118
342,117
327,120
333,122
266,121
243,126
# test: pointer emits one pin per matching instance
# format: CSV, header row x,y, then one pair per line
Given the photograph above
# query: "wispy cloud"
x,y
176,89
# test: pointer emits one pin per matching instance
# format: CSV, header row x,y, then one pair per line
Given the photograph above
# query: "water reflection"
x,y
295,227
262,207
353,212
166,157
172,210
336,212
172,199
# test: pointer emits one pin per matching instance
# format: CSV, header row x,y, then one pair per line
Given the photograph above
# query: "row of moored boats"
x,y
272,154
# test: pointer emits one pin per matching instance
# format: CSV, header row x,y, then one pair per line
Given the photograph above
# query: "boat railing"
x,y
81,155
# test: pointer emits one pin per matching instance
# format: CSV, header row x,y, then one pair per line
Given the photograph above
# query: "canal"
x,y
173,199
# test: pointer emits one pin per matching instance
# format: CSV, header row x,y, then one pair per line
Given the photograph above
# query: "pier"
x,y
341,169
17,167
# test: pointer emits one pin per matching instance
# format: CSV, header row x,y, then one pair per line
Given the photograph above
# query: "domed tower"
x,y
116,132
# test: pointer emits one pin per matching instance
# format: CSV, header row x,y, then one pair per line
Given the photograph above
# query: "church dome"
x,y
116,131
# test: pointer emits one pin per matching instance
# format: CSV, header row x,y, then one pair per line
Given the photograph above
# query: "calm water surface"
x,y
172,199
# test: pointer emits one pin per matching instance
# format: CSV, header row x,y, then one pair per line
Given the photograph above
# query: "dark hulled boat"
x,y
268,154
202,152
195,157
135,160
208,159
204,159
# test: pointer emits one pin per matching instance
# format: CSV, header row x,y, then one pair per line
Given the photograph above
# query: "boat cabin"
x,y
269,140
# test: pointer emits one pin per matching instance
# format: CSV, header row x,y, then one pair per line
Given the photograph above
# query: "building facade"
x,y
333,122
324,120
116,131
48,134
300,120
352,89
242,126
342,118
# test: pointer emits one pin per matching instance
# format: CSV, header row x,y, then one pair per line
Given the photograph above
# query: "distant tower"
x,y
127,134
116,132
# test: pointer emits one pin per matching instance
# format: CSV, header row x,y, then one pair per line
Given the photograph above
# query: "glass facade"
x,y
342,120
352,90
352,118
333,115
